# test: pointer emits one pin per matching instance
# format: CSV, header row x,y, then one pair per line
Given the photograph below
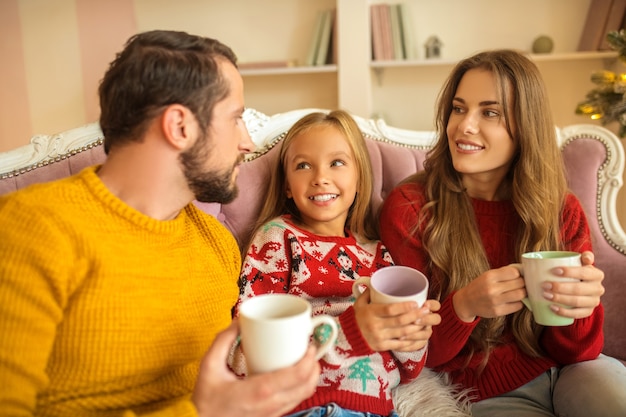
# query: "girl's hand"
x,y
401,327
583,296
494,293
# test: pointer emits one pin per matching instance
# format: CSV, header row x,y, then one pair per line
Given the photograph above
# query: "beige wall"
x,y
54,52
57,51
15,120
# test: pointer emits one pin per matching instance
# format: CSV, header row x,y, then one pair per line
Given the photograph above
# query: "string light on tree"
x,y
607,101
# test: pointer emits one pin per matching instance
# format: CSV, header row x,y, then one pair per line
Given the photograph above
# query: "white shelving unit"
x,y
403,92
608,56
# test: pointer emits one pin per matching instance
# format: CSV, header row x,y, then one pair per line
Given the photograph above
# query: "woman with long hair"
x,y
493,188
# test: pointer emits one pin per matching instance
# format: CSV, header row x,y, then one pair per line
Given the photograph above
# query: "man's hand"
x,y
219,391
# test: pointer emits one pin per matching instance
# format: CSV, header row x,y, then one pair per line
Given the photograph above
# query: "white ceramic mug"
x,y
394,284
276,330
536,269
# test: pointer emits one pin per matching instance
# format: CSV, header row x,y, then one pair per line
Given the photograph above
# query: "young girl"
x,y
315,236
493,188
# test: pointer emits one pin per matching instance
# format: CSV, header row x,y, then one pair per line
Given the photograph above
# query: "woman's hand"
x,y
402,327
219,391
494,293
582,296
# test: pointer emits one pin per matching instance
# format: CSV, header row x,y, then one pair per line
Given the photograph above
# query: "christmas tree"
x,y
607,101
362,370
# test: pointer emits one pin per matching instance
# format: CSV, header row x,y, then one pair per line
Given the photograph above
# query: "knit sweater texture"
x,y
105,311
284,258
508,367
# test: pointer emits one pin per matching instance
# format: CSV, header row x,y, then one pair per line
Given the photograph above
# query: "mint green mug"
x,y
536,269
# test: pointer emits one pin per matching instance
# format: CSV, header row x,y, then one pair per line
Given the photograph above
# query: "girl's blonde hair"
x,y
360,218
536,183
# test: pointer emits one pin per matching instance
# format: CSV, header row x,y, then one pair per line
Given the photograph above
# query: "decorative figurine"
x,y
543,45
433,47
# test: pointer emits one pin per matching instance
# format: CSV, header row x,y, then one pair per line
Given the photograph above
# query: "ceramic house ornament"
x,y
433,47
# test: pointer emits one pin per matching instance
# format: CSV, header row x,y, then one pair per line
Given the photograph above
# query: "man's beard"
x,y
211,186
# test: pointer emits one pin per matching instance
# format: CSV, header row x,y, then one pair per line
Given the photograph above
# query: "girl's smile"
x,y
322,198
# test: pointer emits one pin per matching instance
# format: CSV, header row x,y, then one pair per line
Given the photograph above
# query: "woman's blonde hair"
x,y
536,183
360,218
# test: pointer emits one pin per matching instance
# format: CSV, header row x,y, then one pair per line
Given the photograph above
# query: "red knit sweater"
x,y
286,259
508,367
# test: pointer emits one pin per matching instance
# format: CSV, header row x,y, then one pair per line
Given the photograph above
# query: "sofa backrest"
x,y
391,163
594,159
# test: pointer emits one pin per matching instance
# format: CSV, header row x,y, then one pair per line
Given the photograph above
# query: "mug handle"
x,y
525,300
356,291
330,339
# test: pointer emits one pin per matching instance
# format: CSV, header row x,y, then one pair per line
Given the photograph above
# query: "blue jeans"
x,y
593,388
333,410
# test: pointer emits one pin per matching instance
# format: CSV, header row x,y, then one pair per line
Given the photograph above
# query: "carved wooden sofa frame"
x,y
594,159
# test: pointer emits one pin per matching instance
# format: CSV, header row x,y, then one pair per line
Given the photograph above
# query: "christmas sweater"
x,y
284,258
508,366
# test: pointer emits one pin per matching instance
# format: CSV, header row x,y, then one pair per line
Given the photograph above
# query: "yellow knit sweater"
x,y
103,310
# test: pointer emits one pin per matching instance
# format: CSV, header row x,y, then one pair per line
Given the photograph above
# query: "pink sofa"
x,y
593,155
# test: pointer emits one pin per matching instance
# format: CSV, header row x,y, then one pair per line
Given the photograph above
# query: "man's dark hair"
x,y
157,69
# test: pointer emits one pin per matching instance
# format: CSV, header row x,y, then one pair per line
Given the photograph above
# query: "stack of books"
x,y
603,16
392,32
322,49
323,46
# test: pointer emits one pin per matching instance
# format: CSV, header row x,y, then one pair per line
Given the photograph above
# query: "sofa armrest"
x,y
594,160
609,177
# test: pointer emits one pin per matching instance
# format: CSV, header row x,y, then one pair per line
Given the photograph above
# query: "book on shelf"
x,y
321,57
267,64
392,32
615,21
396,31
315,39
408,33
334,41
377,32
386,29
595,23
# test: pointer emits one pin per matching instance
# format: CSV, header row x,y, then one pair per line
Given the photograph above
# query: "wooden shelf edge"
x,y
574,56
562,56
567,56
289,70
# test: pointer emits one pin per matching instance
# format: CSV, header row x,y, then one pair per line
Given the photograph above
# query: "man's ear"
x,y
179,126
